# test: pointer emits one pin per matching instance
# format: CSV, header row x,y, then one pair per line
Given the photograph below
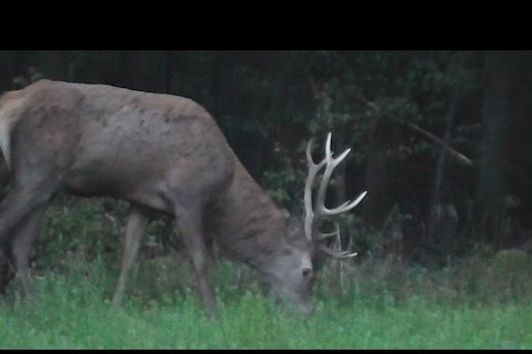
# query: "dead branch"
x,y
459,157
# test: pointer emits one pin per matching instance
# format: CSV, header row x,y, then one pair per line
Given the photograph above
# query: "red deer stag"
x,y
159,152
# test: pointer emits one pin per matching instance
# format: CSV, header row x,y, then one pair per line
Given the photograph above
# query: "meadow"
x,y
378,307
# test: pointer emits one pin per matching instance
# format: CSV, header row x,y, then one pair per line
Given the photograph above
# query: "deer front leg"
x,y
136,225
190,223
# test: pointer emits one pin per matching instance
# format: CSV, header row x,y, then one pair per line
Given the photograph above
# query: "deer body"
x,y
155,151
121,143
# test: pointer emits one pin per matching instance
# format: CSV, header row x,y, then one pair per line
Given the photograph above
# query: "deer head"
x,y
292,274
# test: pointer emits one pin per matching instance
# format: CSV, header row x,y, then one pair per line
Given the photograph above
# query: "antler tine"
x,y
328,153
333,253
314,216
323,236
337,255
331,165
313,169
309,153
344,207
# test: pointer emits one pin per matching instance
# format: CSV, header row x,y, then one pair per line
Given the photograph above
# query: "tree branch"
x,y
459,157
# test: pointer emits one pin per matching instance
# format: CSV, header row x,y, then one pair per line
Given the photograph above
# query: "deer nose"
x,y
307,273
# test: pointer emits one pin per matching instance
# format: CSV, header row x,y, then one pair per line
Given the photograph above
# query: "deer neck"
x,y
251,228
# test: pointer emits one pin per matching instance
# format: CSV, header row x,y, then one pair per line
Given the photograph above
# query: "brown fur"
x,y
155,151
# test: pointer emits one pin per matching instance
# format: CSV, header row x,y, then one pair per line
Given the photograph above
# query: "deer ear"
x,y
285,213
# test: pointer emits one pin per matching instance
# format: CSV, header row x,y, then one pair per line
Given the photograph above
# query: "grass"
x,y
72,310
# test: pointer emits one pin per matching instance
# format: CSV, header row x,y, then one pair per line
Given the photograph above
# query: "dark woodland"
x,y
439,140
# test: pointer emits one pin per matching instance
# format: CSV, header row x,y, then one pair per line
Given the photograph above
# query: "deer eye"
x,y
307,272
287,252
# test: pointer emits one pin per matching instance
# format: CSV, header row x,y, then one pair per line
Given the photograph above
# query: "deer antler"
x,y
313,217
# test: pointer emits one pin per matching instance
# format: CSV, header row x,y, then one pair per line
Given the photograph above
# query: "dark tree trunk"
x,y
384,173
491,185
442,218
7,69
339,190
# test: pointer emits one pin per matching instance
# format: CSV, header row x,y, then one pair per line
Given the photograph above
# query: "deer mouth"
x,y
293,302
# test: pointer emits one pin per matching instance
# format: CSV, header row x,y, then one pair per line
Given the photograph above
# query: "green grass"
x,y
73,310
